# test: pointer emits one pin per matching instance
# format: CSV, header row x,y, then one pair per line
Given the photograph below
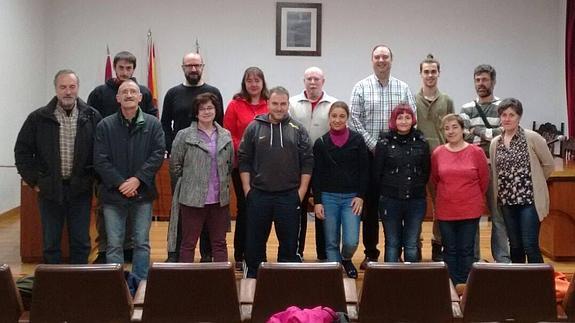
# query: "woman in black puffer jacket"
x,y
402,167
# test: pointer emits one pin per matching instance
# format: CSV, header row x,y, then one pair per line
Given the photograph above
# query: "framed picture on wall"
x,y
298,29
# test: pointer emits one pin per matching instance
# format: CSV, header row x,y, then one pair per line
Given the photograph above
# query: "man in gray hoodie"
x,y
275,163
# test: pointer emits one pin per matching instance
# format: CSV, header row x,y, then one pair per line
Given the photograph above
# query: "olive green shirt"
x,y
429,115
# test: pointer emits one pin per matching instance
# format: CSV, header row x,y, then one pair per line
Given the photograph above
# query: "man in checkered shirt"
x,y
54,154
372,100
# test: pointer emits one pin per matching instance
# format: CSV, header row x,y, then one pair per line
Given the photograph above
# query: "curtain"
x,y
570,65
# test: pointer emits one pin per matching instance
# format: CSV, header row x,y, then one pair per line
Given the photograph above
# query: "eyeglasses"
x,y
196,66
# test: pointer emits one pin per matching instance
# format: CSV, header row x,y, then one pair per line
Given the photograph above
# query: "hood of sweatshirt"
x,y
286,121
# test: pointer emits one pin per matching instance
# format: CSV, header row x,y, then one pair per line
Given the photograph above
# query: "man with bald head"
x,y
176,115
53,155
311,108
128,151
176,111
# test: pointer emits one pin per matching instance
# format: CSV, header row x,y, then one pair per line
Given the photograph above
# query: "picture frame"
x,y
298,29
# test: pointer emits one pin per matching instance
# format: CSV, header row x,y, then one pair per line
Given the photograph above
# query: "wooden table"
x,y
557,235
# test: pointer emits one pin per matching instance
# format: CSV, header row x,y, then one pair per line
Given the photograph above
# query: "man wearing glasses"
x,y
103,99
128,151
176,115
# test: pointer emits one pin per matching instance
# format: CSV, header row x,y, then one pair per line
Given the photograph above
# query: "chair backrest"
x,y
306,285
80,293
10,302
568,149
396,292
550,132
499,292
569,301
191,292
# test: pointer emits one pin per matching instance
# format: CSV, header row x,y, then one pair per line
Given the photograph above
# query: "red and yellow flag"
x,y
152,80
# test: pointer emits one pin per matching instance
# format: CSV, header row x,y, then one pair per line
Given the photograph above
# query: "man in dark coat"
x,y
54,154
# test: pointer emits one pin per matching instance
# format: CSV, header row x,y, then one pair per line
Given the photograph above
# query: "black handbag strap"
x,y
482,115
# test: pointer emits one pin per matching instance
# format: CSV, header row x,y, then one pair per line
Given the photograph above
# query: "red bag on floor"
x,y
561,286
294,314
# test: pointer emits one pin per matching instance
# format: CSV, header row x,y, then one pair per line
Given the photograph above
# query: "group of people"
x,y
374,160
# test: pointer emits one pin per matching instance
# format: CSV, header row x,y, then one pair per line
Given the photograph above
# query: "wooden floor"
x,y
10,245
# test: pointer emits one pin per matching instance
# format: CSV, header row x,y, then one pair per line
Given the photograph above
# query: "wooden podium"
x,y
557,234
31,228
163,204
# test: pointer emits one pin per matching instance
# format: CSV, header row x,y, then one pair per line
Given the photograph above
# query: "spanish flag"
x,y
152,80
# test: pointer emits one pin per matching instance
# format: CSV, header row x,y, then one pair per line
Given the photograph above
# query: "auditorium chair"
x,y
191,292
505,292
11,309
407,292
306,285
568,304
568,149
80,294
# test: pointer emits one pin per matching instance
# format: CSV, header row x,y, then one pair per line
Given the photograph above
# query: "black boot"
x,y
436,252
350,269
101,259
172,257
128,255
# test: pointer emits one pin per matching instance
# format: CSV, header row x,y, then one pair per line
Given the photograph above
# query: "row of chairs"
x,y
419,292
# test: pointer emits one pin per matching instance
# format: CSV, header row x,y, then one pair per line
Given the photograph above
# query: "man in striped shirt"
x,y
372,100
482,124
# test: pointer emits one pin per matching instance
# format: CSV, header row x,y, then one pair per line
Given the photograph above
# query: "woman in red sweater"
x,y
460,173
242,109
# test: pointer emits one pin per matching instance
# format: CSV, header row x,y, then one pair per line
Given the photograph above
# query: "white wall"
x,y
22,86
524,40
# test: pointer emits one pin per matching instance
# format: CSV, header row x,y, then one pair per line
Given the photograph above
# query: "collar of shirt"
x,y
62,111
495,99
136,122
381,83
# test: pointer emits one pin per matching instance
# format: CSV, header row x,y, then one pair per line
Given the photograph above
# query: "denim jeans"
x,y
402,226
263,208
458,238
115,217
339,218
75,211
499,239
522,223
